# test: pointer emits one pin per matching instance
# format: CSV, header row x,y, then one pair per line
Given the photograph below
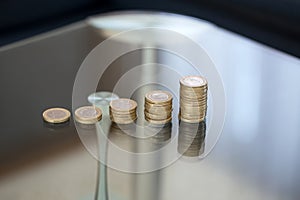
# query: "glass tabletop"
x,y
255,157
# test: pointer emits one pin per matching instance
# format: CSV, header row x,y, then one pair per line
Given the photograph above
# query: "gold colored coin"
x,y
130,112
88,114
159,109
56,115
193,89
193,81
159,97
154,106
123,104
192,120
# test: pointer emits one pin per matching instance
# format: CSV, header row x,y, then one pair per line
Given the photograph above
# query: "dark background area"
x,y
272,22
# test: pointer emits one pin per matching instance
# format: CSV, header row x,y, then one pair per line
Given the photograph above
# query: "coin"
x,y
193,81
158,97
88,114
123,104
56,115
192,120
165,108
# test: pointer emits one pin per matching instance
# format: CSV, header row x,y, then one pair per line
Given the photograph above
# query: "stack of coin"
x,y
193,99
191,139
158,107
123,111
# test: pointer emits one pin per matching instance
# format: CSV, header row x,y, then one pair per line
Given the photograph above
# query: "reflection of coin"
x,y
159,96
56,115
123,104
191,138
165,121
193,81
88,114
102,97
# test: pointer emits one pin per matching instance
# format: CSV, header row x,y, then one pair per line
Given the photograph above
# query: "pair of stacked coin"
x,y
158,107
123,111
193,99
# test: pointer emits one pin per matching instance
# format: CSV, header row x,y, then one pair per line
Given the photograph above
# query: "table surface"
x,y
256,156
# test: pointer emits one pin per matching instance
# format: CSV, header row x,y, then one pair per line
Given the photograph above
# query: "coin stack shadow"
x,y
191,139
193,99
158,107
123,111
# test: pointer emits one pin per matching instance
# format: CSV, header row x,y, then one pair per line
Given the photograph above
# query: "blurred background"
x,y
272,22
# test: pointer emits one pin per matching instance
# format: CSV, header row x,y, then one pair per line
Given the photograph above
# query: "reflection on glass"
x,y
144,186
123,135
159,135
88,133
191,139
54,127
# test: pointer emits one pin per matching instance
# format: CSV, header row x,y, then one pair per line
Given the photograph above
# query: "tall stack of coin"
x,y
193,99
123,111
158,107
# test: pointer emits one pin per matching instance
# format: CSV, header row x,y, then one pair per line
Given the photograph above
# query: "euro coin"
x,y
159,97
56,115
193,81
123,104
165,121
88,114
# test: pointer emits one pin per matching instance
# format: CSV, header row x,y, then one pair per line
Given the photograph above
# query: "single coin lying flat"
x,y
56,115
88,114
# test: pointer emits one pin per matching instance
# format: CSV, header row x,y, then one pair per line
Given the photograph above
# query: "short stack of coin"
x,y
193,99
158,107
123,111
